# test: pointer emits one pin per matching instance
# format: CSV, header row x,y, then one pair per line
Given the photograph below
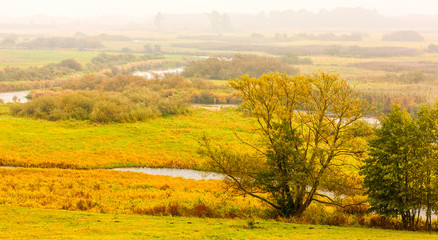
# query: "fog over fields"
x,y
193,14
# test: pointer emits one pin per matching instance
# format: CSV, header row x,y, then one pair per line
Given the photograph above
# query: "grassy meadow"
x,y
25,223
66,190
27,58
160,142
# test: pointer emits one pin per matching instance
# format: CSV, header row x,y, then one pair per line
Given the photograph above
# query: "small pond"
x,y
9,96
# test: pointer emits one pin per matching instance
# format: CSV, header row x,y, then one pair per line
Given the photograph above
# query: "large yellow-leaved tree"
x,y
310,133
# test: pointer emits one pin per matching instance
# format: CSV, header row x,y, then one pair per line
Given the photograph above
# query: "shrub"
x,y
102,107
174,209
355,205
202,210
71,63
337,219
381,221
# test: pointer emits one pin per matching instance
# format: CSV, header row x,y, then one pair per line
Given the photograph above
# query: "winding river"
x,y
151,74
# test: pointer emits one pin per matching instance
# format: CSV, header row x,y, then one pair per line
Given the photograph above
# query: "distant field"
x,y
25,223
26,58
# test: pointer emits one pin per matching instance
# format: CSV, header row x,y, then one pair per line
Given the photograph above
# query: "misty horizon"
x,y
135,8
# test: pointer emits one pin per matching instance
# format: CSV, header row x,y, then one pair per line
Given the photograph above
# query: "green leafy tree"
x,y
71,63
393,171
427,122
310,130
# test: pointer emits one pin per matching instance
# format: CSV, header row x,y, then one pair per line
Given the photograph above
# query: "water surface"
x,y
151,74
9,96
184,173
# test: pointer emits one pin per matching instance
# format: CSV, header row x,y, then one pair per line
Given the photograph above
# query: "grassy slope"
x,y
161,142
24,223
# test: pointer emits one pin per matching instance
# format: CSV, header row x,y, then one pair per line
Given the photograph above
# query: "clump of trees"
x,y
403,36
432,48
329,37
401,171
9,40
194,90
107,61
310,130
225,68
291,58
101,107
62,42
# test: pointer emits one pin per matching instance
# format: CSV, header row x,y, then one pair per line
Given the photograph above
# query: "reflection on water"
x,y
159,74
9,96
184,173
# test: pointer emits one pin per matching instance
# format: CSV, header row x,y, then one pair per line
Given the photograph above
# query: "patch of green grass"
x,y
24,223
161,142
27,57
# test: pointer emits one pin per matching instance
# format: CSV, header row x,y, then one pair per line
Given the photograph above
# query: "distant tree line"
x,y
328,37
46,72
105,60
69,66
62,42
224,68
432,48
403,36
308,50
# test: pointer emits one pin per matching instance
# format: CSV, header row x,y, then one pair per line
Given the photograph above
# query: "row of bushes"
x,y
194,90
225,68
319,214
308,50
102,107
120,83
70,66
105,60
329,37
424,67
62,42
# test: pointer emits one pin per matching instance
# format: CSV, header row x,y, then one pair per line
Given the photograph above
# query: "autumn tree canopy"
x,y
310,130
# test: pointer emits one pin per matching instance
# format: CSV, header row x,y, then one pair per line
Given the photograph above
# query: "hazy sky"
x,y
80,8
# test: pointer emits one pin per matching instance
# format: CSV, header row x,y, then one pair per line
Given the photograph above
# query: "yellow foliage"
x,y
119,192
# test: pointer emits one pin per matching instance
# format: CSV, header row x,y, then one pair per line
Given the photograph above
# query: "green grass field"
x,y
24,223
165,142
26,58
161,142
